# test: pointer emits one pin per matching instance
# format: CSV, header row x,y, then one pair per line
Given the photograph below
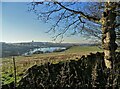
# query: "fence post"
x,y
14,66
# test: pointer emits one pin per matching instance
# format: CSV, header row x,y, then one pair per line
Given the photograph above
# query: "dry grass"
x,y
23,63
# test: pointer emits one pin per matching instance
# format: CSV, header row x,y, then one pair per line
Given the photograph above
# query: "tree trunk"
x,y
109,35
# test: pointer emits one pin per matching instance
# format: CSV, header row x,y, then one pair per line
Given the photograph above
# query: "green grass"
x,y
82,49
23,63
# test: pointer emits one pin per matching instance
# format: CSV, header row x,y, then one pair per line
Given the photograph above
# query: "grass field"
x,y
23,63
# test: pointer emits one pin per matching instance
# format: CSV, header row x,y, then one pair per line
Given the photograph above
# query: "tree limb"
x,y
81,13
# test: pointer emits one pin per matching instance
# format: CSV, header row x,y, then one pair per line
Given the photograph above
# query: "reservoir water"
x,y
44,50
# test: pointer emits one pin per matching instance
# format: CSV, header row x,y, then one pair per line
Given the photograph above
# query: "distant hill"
x,y
15,49
44,44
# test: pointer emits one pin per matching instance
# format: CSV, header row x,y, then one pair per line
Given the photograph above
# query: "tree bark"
x,y
109,35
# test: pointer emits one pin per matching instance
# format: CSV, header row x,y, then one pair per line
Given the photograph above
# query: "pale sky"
x,y
20,25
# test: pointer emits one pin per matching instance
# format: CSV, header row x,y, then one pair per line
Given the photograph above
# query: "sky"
x,y
20,25
0,21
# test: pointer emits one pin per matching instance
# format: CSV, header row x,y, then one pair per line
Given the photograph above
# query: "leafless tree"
x,y
89,18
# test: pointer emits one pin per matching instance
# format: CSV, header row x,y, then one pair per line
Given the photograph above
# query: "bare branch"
x,y
81,13
80,19
65,30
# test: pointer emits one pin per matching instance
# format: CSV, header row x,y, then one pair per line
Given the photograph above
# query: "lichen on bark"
x,y
109,35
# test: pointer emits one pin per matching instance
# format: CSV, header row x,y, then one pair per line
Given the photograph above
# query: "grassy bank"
x,y
23,63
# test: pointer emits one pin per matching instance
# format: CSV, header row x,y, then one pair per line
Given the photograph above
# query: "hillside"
x,y
17,49
23,63
78,61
